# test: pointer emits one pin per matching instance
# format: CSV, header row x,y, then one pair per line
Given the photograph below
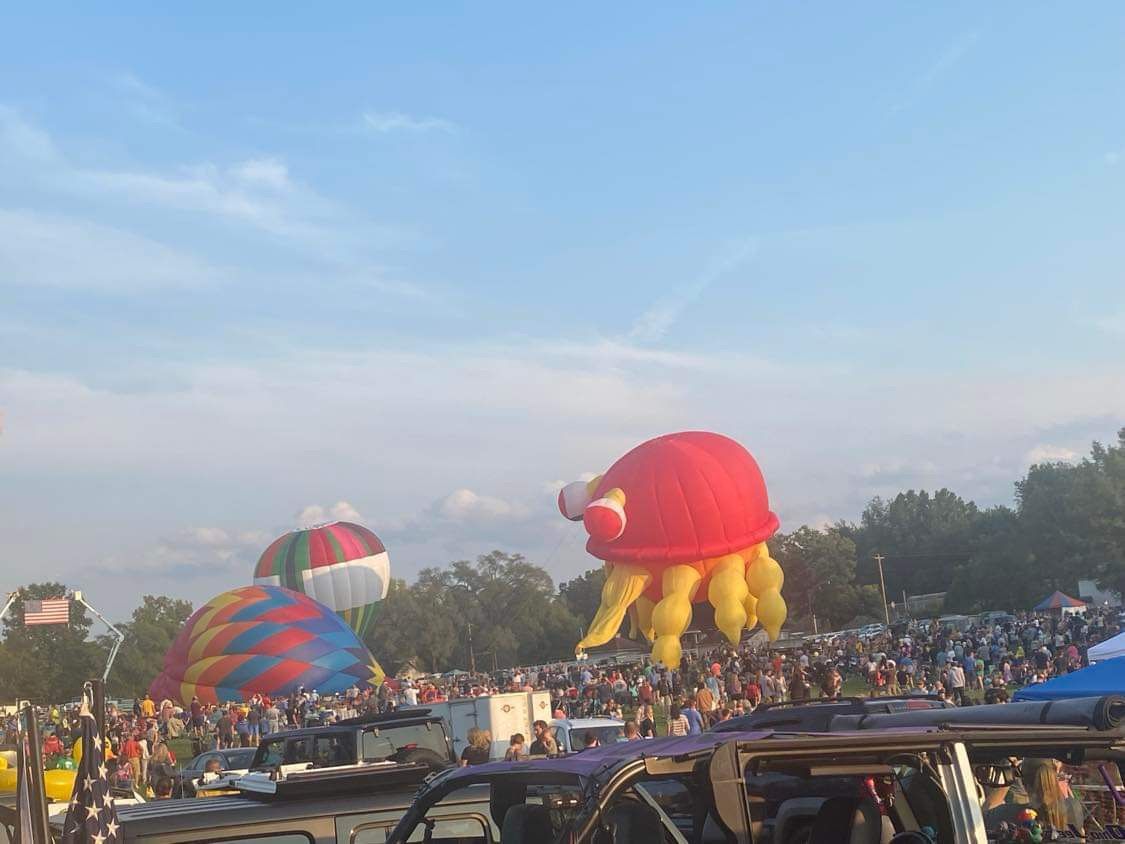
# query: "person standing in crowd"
x,y
647,725
677,722
544,744
695,721
956,673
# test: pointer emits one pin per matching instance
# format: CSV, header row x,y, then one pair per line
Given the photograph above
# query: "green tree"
x,y
923,537
819,573
148,636
583,595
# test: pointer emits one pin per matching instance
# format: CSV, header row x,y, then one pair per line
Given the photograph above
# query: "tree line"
x,y
1067,523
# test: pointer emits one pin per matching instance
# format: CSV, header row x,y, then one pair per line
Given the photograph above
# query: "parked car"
x,y
232,761
405,736
353,815
571,733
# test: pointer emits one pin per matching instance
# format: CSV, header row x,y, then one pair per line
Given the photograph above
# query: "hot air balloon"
x,y
680,519
263,639
342,565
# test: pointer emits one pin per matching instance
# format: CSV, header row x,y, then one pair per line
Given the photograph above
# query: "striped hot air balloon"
x,y
263,639
342,565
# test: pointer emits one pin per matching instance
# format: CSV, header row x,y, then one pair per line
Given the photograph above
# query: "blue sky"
x,y
418,267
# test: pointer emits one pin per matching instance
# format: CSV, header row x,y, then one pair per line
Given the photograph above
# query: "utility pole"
x,y
883,588
472,658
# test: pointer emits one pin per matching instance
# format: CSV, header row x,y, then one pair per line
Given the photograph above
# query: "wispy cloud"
x,y
657,321
1113,323
259,193
950,56
956,50
143,101
1047,453
396,121
38,250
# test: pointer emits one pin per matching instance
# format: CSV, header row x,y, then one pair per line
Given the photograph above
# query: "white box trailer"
x,y
502,715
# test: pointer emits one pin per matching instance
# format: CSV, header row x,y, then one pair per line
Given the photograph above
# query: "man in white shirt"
x,y
409,694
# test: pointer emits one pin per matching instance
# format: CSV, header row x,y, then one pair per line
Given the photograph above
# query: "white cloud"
x,y
203,551
1045,453
464,505
40,250
317,514
395,121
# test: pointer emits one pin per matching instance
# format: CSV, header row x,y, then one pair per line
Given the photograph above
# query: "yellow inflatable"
x,y
9,756
8,780
59,785
3,763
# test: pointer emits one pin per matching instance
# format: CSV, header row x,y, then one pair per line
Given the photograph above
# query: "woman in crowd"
x,y
478,749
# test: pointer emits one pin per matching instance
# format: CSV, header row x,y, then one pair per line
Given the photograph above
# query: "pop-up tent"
x,y
1105,678
1058,601
1108,649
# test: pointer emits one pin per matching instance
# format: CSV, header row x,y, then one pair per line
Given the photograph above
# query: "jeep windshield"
x,y
323,750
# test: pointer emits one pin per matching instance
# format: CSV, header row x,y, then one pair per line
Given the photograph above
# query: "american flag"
x,y
50,611
91,817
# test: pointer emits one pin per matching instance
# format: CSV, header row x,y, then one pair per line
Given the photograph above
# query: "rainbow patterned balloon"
x,y
263,639
342,565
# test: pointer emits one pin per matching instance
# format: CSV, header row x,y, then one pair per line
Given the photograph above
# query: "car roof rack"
x,y
385,718
852,701
363,778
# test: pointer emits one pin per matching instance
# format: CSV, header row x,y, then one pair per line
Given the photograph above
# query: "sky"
x,y
417,266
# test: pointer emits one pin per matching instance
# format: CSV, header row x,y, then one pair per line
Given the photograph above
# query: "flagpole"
x,y
41,830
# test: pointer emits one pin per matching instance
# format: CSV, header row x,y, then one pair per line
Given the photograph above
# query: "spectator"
x,y
515,753
479,748
544,744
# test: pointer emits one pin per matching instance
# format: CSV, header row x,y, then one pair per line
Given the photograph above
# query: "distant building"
x,y
920,606
1089,592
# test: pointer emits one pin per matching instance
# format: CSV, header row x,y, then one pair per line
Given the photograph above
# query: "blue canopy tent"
x,y
1104,678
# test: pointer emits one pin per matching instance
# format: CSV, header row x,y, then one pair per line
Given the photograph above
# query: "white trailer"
x,y
502,715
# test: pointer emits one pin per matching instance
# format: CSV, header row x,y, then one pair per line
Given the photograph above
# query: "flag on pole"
x,y
50,611
91,817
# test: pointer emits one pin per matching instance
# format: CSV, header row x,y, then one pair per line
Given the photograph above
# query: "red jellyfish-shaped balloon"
x,y
680,519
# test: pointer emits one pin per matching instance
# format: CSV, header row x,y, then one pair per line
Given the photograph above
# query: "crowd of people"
x,y
964,663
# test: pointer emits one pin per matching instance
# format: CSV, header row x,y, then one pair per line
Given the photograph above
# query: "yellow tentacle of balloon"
x,y
751,604
727,594
764,579
623,585
672,615
644,608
